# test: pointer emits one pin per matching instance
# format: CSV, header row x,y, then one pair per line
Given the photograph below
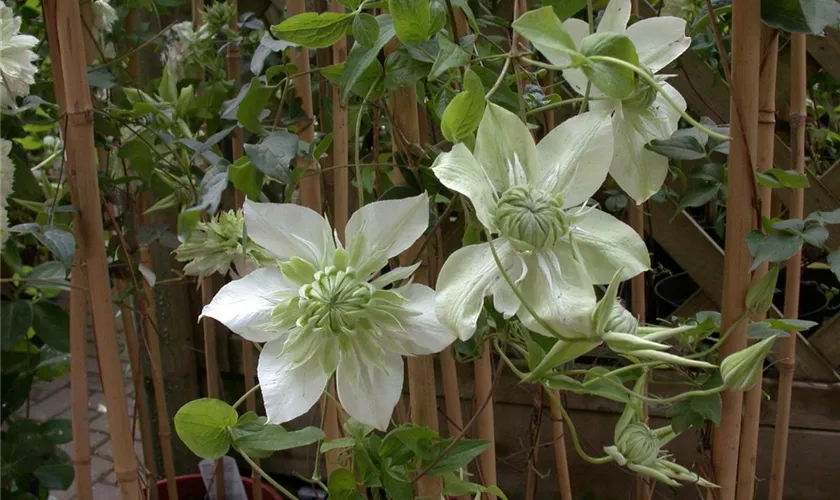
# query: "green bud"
x,y
760,296
642,97
638,444
740,370
530,217
621,321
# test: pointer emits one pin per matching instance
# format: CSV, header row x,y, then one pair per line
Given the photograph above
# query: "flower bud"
x,y
638,444
760,296
740,370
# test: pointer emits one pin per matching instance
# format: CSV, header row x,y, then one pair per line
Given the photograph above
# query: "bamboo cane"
x,y
197,10
564,479
211,364
787,361
153,341
71,80
141,398
486,420
533,456
766,140
746,29
78,381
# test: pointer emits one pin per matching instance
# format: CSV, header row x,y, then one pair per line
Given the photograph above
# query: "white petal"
x,y
505,148
395,275
575,157
616,17
459,171
658,40
467,276
560,293
606,245
578,30
384,229
369,392
245,305
288,230
288,391
423,333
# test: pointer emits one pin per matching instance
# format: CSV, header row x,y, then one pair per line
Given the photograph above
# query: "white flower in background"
x,y
322,311
180,43
16,58
217,246
7,176
646,115
532,196
104,16
639,448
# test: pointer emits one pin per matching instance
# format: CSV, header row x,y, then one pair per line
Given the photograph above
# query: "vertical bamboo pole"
x,y
766,140
310,185
487,418
531,463
197,9
141,404
787,361
70,73
560,459
78,381
740,220
153,341
211,370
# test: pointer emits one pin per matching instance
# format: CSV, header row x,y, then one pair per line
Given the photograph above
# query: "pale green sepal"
x,y
298,271
654,473
740,370
505,149
760,295
604,310
560,353
397,274
671,358
628,343
657,333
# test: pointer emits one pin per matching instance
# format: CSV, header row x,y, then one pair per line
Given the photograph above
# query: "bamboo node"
x,y
798,118
785,366
767,116
83,117
126,475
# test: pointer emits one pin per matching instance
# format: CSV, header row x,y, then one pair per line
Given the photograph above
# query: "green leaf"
x,y
360,57
276,438
412,19
202,426
793,325
439,17
335,444
464,112
616,81
760,330
565,9
815,235
252,105
684,147
455,486
683,417
774,247
58,430
315,31
56,473
188,220
604,385
777,178
15,320
246,178
542,28
419,440
459,456
61,243
397,489
832,217
709,407
52,324
168,88
800,16
141,157
341,483
450,55
402,70
365,29
833,260
699,194
274,154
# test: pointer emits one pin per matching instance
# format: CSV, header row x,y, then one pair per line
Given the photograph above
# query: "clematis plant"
x,y
534,198
17,70
324,310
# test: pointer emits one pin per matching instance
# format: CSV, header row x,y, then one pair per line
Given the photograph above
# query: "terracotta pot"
x,y
192,487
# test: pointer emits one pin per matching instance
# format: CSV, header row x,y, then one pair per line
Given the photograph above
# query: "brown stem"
x,y
746,28
724,57
787,362
71,83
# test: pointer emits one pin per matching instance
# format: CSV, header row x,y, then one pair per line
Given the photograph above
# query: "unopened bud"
x,y
760,296
740,370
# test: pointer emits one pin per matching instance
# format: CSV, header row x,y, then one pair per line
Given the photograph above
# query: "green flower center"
x,y
643,97
335,301
530,216
639,444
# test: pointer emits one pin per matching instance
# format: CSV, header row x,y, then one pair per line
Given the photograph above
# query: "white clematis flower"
x,y
646,115
322,310
17,72
7,177
104,16
527,194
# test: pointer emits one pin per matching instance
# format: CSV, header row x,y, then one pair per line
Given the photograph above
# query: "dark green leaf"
x,y
274,154
57,473
449,56
266,47
542,28
709,407
341,483
678,148
276,438
202,426
684,417
52,324
402,70
361,57
59,430
699,194
15,320
464,112
61,243
800,16
459,456
366,29
815,235
616,81
246,178
565,9
794,325
832,217
397,489
412,19
833,260
760,330
250,109
774,247
777,178
315,31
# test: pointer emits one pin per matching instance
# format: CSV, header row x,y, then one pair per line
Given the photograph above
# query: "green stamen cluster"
x,y
530,216
638,444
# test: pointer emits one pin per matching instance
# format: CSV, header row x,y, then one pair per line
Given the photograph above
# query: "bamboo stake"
x,y
211,365
141,398
451,393
310,185
766,140
78,381
746,29
531,463
71,80
197,9
564,479
486,420
787,361
153,341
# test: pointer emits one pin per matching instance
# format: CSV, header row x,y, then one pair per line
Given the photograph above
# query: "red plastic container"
x,y
191,487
